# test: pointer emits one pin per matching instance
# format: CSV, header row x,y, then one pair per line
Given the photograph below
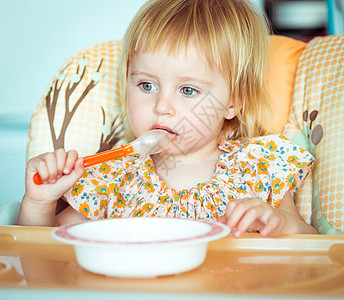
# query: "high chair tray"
x,y
34,265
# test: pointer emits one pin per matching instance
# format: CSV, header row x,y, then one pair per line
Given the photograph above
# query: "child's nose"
x,y
164,106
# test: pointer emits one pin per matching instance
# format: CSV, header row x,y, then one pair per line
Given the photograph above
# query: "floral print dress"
x,y
264,167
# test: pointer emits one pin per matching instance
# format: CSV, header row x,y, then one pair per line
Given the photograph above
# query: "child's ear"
x,y
231,113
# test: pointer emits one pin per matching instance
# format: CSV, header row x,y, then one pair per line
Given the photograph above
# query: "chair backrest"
x,y
316,123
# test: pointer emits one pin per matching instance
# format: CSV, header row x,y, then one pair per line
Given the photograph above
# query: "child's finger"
x,y
248,218
223,220
237,208
79,169
61,161
39,165
72,157
51,162
75,174
272,226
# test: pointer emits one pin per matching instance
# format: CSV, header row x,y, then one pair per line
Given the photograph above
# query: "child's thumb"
x,y
78,170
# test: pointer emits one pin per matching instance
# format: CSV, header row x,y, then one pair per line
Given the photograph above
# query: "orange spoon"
x,y
151,142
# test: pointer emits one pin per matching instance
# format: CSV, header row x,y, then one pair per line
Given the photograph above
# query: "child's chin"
x,y
176,150
171,151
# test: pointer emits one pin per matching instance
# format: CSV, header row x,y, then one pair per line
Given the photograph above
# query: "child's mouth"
x,y
167,129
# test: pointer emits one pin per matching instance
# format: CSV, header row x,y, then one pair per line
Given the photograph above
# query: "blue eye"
x,y
148,87
188,91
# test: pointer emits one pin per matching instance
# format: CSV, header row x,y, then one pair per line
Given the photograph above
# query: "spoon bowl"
x,y
152,142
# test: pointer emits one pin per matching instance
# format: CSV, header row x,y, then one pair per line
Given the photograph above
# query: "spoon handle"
x,y
98,158
107,155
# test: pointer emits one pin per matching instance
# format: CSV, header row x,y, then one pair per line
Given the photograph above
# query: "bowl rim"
x,y
216,231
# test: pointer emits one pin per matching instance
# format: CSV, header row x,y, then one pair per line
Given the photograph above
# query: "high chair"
x,y
305,82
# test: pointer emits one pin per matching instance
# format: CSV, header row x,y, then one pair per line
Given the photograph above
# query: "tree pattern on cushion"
x,y
110,136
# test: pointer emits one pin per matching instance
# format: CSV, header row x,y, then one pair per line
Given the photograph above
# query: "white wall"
x,y
37,37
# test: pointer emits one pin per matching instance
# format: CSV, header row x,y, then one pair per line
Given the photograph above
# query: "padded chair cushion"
x,y
316,123
9,213
80,107
283,61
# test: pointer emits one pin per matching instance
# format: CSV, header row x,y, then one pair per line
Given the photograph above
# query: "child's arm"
x,y
59,171
254,214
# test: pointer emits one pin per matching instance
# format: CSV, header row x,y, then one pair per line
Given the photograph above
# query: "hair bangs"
x,y
186,22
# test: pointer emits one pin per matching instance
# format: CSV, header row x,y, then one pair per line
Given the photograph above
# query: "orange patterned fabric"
x,y
316,123
263,167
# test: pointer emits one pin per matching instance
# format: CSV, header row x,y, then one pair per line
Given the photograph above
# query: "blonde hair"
x,y
231,34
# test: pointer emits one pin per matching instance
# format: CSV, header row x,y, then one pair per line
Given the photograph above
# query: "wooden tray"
x,y
303,265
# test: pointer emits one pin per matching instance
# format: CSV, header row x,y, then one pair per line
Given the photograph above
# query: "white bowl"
x,y
140,247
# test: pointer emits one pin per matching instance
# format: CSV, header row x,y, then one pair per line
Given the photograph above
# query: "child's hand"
x,y
58,170
254,214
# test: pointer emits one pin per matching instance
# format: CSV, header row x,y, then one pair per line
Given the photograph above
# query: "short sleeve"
x,y
271,166
90,195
